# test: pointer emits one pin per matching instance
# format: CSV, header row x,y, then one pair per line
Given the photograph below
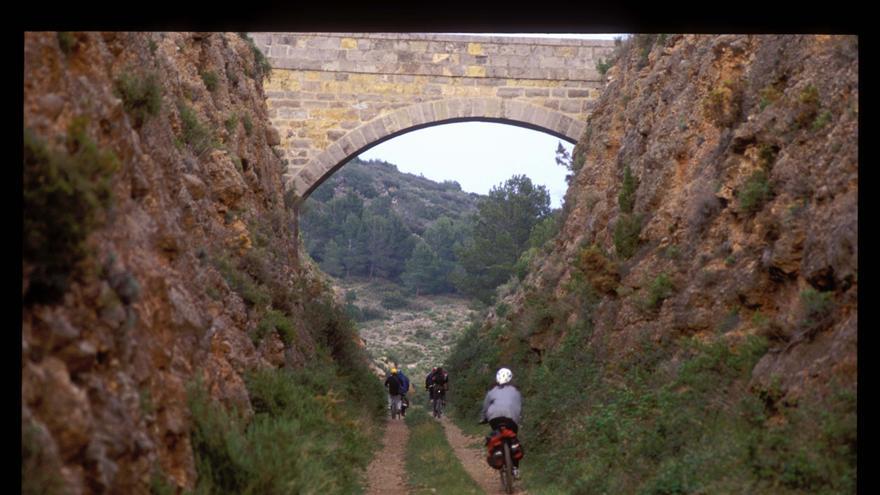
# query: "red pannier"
x,y
495,456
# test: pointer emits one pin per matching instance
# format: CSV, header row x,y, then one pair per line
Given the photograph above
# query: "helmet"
x,y
503,376
393,370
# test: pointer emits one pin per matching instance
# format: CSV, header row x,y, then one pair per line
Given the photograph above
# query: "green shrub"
x,y
65,195
152,46
66,41
394,300
278,322
808,106
37,477
231,123
262,68
311,432
141,95
159,484
248,124
816,309
626,234
194,133
755,192
769,95
821,121
722,105
210,79
767,155
659,290
603,65
626,199
253,293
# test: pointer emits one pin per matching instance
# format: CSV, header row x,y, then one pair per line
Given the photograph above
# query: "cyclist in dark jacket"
x,y
404,389
429,380
394,387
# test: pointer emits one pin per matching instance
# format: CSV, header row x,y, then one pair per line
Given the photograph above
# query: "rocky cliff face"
x,y
743,211
155,303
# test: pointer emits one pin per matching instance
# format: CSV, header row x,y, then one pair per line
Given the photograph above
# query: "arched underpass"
x,y
335,95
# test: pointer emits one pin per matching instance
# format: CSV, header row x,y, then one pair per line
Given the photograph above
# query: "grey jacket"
x,y
503,402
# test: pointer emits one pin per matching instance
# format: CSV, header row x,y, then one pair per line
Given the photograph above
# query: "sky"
x,y
478,155
481,155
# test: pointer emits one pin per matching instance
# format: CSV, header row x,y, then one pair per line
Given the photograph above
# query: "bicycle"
x,y
438,402
395,409
502,446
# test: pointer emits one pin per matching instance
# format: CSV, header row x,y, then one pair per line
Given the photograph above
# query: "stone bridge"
x,y
332,96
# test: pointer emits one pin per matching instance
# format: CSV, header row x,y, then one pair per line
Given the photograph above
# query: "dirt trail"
x,y
386,475
474,459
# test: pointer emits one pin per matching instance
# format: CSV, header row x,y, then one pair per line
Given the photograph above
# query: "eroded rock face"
x,y
105,370
697,120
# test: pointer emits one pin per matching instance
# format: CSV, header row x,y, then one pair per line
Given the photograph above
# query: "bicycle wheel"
x,y
507,470
436,408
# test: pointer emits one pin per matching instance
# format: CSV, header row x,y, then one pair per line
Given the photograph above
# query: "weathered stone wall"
x,y
333,95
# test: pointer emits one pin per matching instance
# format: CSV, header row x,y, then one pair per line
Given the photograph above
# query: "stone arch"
x,y
426,114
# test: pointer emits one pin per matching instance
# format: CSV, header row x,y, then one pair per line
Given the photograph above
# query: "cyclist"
x,y
439,385
404,389
503,406
394,386
429,380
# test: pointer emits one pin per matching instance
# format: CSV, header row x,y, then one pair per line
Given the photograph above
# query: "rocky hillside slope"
x,y
745,154
710,229
149,167
418,200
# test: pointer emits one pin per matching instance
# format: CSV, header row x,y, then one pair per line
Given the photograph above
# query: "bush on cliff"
x,y
65,196
141,95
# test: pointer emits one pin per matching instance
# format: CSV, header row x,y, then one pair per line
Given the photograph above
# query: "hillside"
x,y
417,199
173,339
695,320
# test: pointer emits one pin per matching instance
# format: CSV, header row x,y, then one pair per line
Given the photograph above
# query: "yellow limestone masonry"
x,y
331,95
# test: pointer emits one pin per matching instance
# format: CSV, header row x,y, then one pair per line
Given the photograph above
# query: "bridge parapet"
x,y
327,89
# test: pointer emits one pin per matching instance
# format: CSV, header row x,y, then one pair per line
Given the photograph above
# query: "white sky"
x,y
480,155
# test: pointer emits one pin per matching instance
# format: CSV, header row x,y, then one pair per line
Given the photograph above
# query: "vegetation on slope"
x,y
432,238
676,417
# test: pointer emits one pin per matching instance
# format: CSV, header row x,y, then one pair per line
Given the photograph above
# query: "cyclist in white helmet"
x,y
503,405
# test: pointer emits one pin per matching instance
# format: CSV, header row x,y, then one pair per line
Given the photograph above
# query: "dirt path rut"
x,y
473,458
386,475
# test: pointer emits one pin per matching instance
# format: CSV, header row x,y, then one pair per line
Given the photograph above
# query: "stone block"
x,y
377,129
415,114
553,121
369,134
493,108
576,129
509,92
336,152
536,92
347,147
578,93
475,71
334,134
571,106
357,139
528,114
467,107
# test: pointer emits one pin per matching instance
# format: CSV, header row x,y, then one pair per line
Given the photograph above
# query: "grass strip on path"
x,y
431,463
